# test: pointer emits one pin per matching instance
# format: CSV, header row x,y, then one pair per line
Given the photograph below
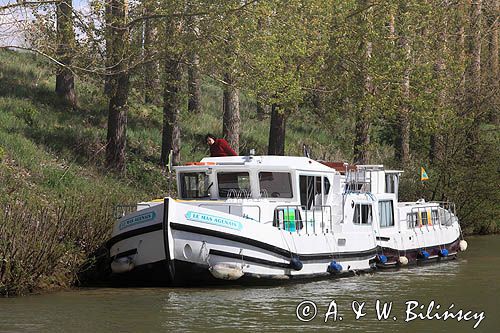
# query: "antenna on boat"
x,y
307,152
345,191
169,173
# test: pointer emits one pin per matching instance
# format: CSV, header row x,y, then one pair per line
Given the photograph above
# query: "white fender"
x,y
122,265
403,260
226,271
462,245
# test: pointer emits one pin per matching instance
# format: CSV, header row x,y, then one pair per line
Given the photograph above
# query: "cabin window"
x,y
421,218
287,218
326,185
424,218
362,214
390,183
310,191
445,217
194,185
434,216
386,213
233,184
275,184
412,219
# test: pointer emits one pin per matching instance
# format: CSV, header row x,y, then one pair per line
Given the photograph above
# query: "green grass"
x,y
52,156
62,149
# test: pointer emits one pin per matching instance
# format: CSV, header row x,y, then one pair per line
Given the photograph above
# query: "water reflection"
x,y
469,283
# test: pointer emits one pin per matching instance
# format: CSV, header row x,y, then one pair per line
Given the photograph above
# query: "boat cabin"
x,y
291,192
273,178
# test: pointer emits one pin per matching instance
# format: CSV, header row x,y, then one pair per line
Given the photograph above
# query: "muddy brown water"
x,y
470,284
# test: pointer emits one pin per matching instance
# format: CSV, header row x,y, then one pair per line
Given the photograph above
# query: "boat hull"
x,y
415,257
172,250
189,274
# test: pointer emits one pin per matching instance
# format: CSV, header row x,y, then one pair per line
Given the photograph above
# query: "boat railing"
x,y
357,181
234,209
239,194
429,214
264,193
121,210
295,218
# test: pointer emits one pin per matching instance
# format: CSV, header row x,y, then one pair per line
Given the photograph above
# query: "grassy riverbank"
x,y
56,197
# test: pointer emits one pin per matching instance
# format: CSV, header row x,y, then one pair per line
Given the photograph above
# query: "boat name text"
x,y
214,220
137,220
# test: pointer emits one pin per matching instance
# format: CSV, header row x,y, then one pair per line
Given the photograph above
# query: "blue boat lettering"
x,y
215,220
137,220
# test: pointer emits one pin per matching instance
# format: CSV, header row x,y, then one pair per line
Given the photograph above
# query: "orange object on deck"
x,y
339,166
201,163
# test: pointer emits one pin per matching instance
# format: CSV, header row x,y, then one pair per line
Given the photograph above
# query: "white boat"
x,y
406,232
273,218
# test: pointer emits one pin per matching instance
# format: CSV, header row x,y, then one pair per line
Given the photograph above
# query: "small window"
x,y
287,219
326,184
434,216
307,191
275,184
195,185
390,183
423,217
386,213
310,192
234,184
412,219
362,214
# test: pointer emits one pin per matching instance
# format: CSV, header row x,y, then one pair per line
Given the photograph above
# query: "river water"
x,y
470,283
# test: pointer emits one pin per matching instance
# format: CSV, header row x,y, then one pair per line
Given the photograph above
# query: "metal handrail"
x,y
353,178
414,212
121,210
301,222
232,204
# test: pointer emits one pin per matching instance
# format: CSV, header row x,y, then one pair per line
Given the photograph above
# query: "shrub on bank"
x,y
46,246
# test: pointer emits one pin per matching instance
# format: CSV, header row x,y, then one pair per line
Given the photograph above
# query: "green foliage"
x,y
336,64
46,246
52,155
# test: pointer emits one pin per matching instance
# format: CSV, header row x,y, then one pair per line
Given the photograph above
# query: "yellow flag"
x,y
423,174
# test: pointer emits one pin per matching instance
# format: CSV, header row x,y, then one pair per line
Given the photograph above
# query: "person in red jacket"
x,y
219,147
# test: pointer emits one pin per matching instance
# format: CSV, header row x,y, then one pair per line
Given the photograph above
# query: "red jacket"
x,y
221,148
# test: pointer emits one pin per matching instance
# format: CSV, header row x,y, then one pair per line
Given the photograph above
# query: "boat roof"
x,y
259,162
277,163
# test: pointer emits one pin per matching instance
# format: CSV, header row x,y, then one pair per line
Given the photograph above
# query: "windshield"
x,y
275,184
195,185
233,184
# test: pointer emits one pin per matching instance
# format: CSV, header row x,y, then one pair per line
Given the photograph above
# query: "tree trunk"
x,y
65,80
362,140
119,83
108,39
194,83
436,151
463,20
151,67
277,131
231,117
194,79
474,86
172,102
493,63
403,146
473,81
363,114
